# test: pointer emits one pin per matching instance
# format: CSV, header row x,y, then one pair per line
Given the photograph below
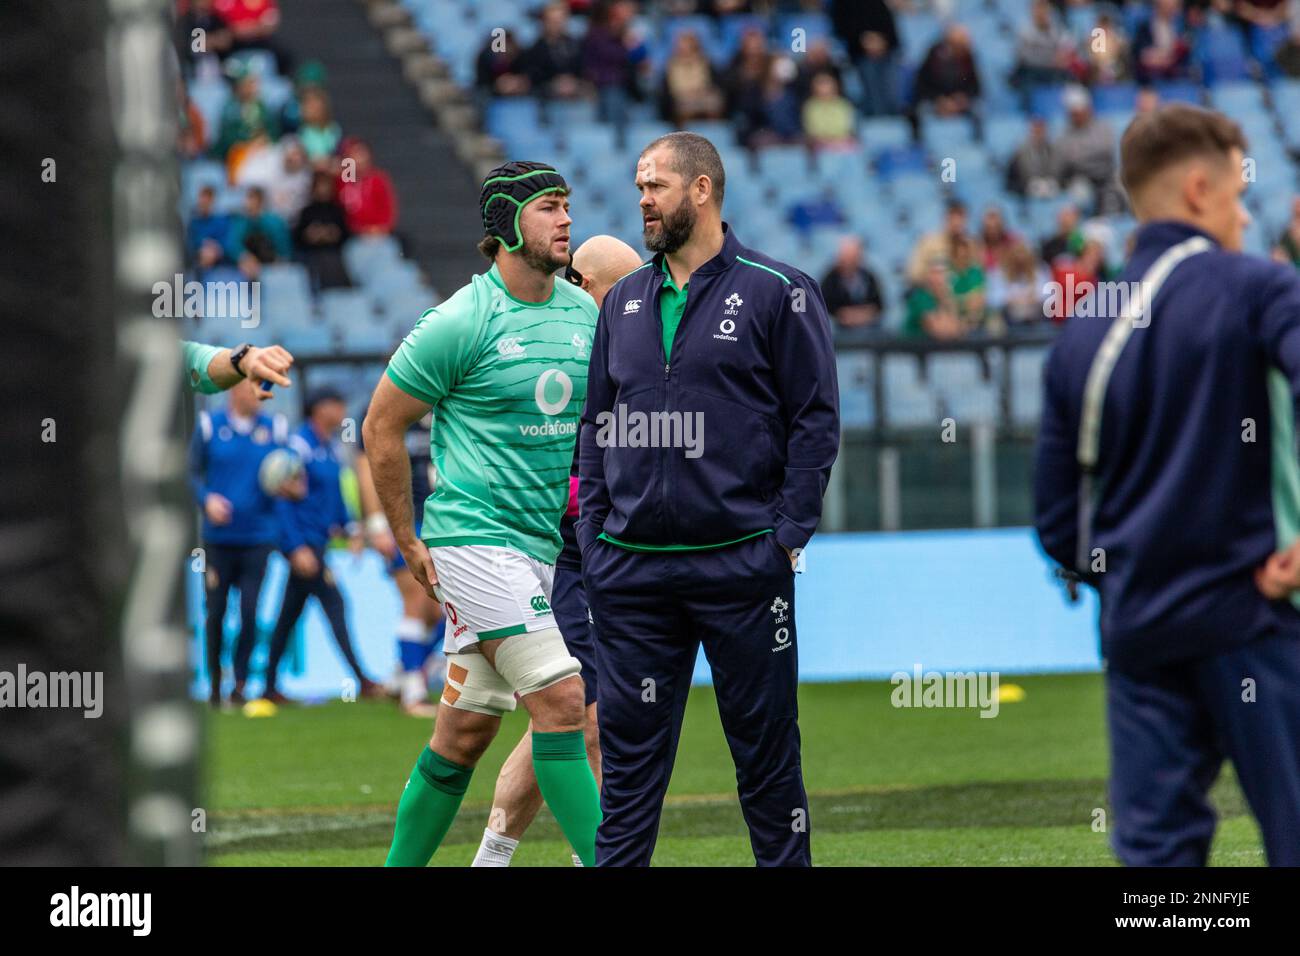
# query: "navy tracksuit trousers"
x,y
243,567
652,612
1170,731
296,592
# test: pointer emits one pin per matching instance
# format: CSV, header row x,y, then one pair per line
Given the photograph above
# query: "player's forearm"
x,y
222,372
390,472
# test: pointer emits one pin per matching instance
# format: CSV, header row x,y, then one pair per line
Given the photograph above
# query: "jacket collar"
x,y
1163,233
731,248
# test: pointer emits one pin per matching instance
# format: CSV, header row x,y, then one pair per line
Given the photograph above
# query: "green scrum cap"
x,y
507,190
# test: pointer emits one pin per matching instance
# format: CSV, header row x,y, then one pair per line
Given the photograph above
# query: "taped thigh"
x,y
473,685
536,660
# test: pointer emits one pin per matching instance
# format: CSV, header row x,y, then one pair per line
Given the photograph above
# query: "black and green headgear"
x,y
507,190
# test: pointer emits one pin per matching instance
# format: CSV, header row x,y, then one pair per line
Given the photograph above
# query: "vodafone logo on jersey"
x,y
547,385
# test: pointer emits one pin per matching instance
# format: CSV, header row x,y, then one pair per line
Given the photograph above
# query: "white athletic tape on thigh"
x,y
473,685
534,661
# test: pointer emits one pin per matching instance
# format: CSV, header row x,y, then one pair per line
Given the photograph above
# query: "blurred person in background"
x,y
1161,46
828,118
497,69
1289,241
553,64
1035,169
932,309
1078,276
253,24
244,119
207,232
611,56
940,244
257,236
306,526
689,90
1044,52
1067,240
317,131
214,32
819,59
1016,287
870,35
320,234
968,282
366,194
282,173
744,82
1105,52
851,290
994,239
947,79
1087,153
191,127
239,522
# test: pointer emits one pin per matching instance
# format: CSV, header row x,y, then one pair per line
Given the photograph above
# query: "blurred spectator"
x,y
1087,153
1035,169
257,235
317,131
207,231
851,290
1016,288
253,24
967,277
828,118
938,245
282,173
932,310
1147,100
869,34
689,89
243,119
321,231
1161,45
1265,25
1289,241
611,54
1106,52
311,75
744,82
781,121
1287,55
994,238
1044,51
191,128
817,60
366,194
497,71
1078,276
1067,240
201,31
947,78
554,63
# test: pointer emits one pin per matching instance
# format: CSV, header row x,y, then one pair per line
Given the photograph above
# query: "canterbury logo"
x,y
539,604
510,347
631,305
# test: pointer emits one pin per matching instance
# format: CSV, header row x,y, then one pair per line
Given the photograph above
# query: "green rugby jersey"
x,y
507,380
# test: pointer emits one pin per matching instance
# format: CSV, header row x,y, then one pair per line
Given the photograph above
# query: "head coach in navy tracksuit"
x,y
239,523
723,355
1167,478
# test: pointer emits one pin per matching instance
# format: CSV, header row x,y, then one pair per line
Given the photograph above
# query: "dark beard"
x,y
674,229
539,257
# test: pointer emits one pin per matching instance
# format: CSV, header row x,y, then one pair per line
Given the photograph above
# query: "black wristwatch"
x,y
237,356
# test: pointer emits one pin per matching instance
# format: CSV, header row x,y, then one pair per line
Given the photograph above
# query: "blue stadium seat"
x,y
1118,98
1221,54
895,162
344,308
1003,134
210,98
881,132
784,165
1027,385
908,402
306,340
856,375
1179,91
368,253
510,114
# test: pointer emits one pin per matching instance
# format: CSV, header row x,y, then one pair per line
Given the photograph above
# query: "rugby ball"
x,y
279,466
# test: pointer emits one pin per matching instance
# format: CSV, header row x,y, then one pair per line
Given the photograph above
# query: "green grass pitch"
x,y
318,786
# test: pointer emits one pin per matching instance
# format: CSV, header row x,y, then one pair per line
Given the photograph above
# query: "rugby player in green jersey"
x,y
503,365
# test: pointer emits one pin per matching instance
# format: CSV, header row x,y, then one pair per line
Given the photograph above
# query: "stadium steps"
x,y
437,196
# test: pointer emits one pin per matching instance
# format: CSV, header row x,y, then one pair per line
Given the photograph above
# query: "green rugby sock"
x,y
569,788
428,805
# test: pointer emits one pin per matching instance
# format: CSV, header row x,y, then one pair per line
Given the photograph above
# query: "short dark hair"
x,y
694,156
1168,135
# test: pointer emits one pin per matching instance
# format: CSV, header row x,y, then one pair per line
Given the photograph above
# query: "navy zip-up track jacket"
x,y
754,355
1197,479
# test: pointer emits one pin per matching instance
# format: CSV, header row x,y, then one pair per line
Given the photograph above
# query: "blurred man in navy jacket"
x,y
1167,478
